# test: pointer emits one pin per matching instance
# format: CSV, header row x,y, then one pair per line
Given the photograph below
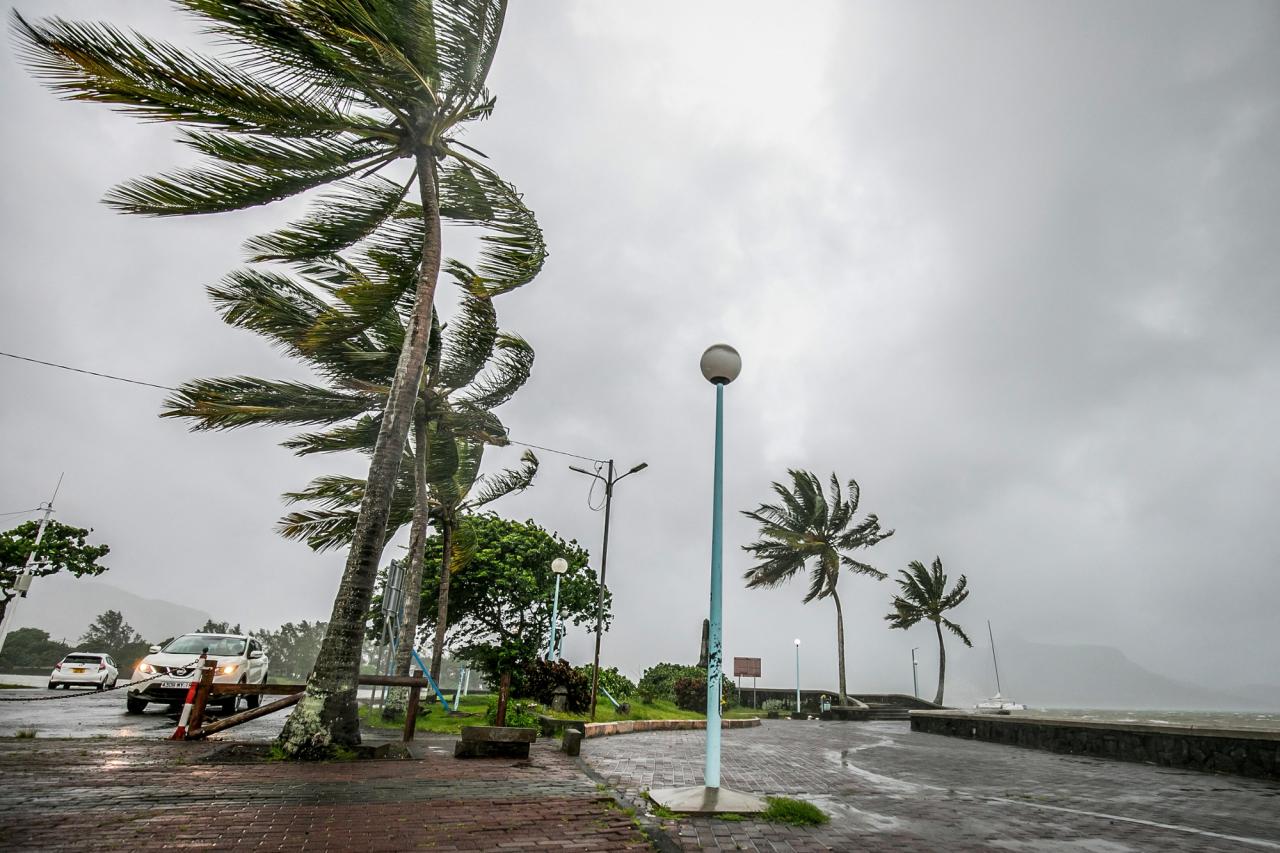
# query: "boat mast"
x,y
994,662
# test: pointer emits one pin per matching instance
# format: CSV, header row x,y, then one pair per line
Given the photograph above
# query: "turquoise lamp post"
x,y
559,565
720,365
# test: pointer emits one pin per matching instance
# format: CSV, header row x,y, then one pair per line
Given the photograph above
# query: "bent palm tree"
x,y
924,596
806,527
315,91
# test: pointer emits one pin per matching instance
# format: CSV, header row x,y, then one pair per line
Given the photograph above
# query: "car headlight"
x,y
228,669
146,667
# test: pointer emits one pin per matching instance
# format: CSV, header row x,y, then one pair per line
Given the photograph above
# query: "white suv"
x,y
165,674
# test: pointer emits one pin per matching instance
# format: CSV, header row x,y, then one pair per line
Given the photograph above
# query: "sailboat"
x,y
997,704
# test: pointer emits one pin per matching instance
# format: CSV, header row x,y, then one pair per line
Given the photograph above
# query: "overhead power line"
x,y
89,372
171,388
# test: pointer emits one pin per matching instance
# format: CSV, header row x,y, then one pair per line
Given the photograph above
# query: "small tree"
x,y
211,627
63,548
924,596
504,592
111,634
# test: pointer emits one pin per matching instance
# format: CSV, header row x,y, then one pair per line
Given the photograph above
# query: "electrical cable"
x,y
170,388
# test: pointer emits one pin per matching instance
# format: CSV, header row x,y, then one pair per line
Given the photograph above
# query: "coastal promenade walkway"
x,y
890,789
134,794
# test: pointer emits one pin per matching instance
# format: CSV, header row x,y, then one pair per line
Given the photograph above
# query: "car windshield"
x,y
82,659
194,644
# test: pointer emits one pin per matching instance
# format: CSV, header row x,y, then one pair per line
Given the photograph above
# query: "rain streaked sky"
x,y
1012,266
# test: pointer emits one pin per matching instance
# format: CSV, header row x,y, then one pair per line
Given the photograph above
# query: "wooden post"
x,y
503,689
202,697
411,711
246,716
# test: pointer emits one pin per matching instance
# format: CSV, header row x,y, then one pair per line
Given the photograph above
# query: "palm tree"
x,y
471,368
805,527
316,92
924,596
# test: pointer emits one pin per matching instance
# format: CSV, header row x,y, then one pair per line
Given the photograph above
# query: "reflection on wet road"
x,y
83,712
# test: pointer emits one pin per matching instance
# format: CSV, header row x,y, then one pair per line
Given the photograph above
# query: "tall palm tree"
x,y
471,368
924,596
313,92
807,527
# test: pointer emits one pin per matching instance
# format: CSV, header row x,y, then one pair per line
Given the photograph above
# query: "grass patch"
x,y
732,817
794,812
659,709
25,734
14,686
436,721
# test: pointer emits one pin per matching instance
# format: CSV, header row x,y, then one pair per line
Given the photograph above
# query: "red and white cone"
x,y
180,733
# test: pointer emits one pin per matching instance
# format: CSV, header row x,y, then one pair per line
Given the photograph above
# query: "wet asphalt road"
x,y
83,712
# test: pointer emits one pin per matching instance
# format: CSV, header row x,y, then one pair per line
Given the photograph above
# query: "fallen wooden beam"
x,y
264,689
244,717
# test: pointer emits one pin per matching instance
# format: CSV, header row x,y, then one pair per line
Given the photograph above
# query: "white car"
x,y
164,675
88,669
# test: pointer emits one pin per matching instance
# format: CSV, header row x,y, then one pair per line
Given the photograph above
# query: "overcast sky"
x,y
1012,266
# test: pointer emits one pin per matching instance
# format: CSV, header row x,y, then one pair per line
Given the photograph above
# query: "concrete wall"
x,y
1238,751
623,727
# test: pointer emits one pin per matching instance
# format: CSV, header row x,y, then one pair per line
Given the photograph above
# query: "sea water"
x,y
1264,720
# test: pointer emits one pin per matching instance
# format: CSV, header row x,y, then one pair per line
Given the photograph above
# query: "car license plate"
x,y
77,670
175,685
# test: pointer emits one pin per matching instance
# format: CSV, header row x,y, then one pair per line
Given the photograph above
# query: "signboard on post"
x,y
749,668
746,667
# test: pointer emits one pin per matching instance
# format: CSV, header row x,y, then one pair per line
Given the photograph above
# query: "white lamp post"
x,y
559,565
797,675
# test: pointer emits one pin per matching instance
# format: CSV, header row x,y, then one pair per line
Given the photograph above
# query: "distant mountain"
x,y
1084,676
65,606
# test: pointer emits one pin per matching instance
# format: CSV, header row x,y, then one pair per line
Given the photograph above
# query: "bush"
x,y
619,686
776,705
658,681
538,679
519,715
691,693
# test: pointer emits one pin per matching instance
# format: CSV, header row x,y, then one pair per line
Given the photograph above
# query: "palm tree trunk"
x,y
844,700
398,697
942,664
442,611
327,716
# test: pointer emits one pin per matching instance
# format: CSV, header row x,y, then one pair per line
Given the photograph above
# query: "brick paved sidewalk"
x,y
132,794
887,788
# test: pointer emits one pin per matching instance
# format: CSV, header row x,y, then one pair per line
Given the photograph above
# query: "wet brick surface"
x,y
117,794
889,789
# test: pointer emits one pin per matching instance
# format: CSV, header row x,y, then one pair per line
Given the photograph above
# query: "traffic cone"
x,y
180,733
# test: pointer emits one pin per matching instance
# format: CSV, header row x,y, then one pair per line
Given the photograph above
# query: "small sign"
x,y
746,667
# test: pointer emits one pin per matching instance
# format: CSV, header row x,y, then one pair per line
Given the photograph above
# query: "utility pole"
x,y
23,582
609,482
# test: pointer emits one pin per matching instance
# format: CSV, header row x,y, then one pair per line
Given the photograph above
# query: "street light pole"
x,y
720,365
797,675
915,680
609,482
559,565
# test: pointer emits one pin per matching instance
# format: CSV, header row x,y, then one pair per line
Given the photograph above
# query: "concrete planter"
x,y
494,742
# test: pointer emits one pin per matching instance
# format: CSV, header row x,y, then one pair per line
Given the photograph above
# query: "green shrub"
x,y
794,812
776,705
519,714
538,679
691,694
618,685
658,681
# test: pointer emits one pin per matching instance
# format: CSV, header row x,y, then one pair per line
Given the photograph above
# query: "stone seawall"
x,y
623,727
1241,752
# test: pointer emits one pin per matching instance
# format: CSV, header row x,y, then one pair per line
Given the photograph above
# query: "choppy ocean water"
x,y
1267,721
